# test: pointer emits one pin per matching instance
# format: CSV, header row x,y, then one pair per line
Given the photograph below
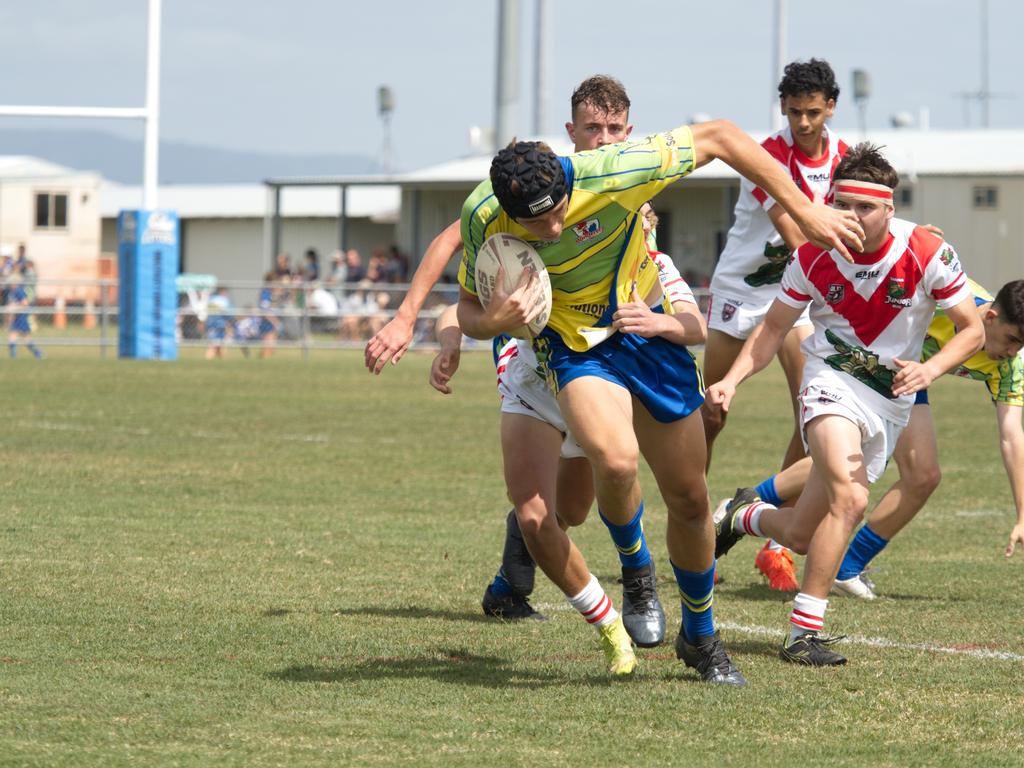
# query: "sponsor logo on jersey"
x,y
867,274
824,396
836,292
728,310
896,293
585,230
589,309
670,140
948,257
819,176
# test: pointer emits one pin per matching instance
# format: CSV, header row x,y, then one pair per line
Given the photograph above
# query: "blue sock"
x,y
500,586
865,545
766,490
630,541
13,349
697,592
35,350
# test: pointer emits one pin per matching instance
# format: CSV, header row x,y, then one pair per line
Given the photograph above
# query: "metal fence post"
x,y
103,319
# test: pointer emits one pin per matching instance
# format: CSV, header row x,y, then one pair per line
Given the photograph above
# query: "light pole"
x,y
385,106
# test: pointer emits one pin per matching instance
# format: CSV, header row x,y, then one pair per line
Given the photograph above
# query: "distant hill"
x,y
120,159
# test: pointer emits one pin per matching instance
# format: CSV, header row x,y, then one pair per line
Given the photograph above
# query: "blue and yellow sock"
x,y
766,490
697,593
865,545
630,540
35,350
13,349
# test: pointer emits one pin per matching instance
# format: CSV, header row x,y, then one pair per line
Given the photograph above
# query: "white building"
x,y
55,213
225,229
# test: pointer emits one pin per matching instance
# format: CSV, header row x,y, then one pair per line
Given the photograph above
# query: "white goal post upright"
x,y
149,114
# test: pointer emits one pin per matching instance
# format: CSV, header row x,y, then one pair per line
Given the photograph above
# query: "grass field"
x,y
280,562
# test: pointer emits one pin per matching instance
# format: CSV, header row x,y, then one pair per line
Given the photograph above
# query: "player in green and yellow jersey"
x,y
622,394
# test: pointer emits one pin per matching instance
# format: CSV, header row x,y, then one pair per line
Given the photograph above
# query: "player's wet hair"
x,y
1010,303
602,92
527,179
801,78
865,162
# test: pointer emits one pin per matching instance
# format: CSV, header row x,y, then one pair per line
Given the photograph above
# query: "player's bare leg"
x,y
720,351
531,450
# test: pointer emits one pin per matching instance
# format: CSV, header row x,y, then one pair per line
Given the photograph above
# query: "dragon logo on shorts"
x,y
778,257
836,292
862,364
728,310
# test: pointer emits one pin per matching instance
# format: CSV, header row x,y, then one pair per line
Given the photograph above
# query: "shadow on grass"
x,y
455,666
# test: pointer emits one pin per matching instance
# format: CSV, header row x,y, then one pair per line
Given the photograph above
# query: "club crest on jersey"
x,y
728,310
836,292
948,257
896,293
587,229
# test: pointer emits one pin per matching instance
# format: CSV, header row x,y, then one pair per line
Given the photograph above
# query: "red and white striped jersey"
x,y
867,313
672,283
755,256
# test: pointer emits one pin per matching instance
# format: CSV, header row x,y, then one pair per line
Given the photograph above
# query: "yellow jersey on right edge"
x,y
1004,378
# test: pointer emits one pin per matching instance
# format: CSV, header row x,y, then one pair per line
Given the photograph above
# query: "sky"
x,y
302,76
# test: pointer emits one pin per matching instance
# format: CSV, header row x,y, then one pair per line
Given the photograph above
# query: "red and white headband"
x,y
863,190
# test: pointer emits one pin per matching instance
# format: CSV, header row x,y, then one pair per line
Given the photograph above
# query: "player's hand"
x,y
389,343
444,366
636,317
720,395
1016,539
933,229
912,377
508,311
829,227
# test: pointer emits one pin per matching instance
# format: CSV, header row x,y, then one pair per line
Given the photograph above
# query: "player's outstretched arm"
x,y
446,362
1011,446
760,347
914,376
825,227
392,341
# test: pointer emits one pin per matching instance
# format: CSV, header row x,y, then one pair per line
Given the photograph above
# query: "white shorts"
x,y
739,317
826,393
524,392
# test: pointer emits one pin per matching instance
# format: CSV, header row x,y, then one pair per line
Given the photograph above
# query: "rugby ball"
x,y
516,256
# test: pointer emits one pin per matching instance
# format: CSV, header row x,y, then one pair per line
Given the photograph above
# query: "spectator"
x,y
311,266
354,266
398,265
18,303
282,265
219,323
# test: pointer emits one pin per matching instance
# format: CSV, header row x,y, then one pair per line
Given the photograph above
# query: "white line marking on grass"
x,y
200,434
874,642
881,642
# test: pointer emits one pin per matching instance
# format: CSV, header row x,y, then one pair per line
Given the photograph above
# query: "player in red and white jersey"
x,y
869,320
760,242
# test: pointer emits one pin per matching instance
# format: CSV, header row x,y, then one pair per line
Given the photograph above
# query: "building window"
x,y
904,196
986,197
51,210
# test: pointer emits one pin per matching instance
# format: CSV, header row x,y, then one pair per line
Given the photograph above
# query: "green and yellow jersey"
x,y
1004,378
602,253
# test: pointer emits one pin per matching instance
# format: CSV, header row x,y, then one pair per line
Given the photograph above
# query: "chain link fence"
x,y
217,316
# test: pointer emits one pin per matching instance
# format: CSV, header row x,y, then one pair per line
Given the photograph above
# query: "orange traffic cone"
x,y
60,314
89,318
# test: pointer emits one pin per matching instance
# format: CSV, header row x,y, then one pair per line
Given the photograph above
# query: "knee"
x,y
618,466
850,504
688,505
923,480
573,512
531,516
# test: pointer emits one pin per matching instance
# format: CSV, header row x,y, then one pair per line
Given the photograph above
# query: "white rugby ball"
x,y
516,256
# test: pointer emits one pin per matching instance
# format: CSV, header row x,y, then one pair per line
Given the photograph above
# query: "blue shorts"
x,y
19,324
662,375
921,398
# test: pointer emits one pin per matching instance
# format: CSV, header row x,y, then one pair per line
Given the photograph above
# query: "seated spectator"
x,y
354,266
311,266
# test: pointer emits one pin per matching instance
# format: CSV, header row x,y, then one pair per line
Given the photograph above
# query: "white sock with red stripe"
x,y
594,604
808,615
747,520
